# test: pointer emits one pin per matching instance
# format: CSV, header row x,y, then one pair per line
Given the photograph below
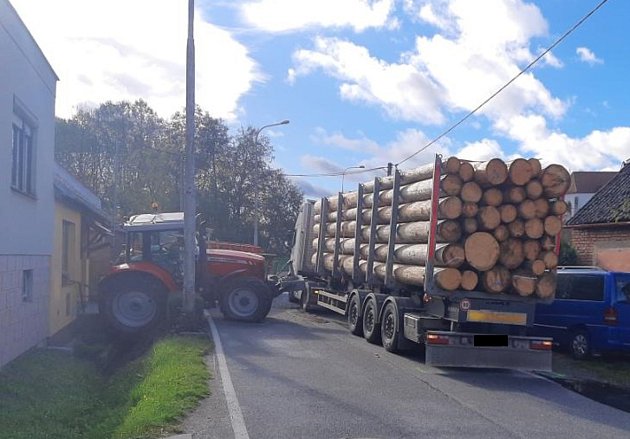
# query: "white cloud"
x,y
401,90
361,144
119,50
586,55
295,15
484,149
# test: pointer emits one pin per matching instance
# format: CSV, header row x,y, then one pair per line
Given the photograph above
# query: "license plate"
x,y
491,340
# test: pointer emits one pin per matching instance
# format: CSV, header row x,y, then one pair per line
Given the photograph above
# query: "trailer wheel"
x,y
389,328
354,316
246,300
371,327
305,298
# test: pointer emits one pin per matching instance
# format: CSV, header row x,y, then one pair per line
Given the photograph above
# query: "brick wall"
x,y
23,321
589,241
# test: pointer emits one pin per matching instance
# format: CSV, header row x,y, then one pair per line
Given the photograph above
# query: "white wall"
x,y
26,223
582,199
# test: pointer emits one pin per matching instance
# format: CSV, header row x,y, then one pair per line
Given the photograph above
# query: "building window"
x,y
23,158
576,203
67,251
27,285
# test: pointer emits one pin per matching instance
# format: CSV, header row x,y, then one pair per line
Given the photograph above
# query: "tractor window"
x,y
135,247
167,249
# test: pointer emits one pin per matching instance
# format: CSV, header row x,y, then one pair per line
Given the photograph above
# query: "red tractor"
x,y
134,294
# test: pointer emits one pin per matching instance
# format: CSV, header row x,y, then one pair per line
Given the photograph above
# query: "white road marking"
x,y
234,409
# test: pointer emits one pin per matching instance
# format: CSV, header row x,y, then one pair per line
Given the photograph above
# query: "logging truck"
x,y
453,256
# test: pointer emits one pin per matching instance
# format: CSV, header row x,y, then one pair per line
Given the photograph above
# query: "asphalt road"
x,y
303,375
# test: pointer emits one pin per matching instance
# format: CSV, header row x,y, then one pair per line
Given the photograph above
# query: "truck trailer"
x,y
452,256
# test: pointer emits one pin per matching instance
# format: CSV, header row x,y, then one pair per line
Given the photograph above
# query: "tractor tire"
x,y
134,305
246,299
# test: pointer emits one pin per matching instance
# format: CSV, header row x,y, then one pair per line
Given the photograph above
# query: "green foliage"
x,y
568,254
51,394
130,157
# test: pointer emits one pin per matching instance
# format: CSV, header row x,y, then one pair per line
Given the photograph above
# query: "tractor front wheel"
x,y
134,307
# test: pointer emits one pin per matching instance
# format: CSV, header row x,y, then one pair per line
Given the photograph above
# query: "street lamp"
x,y
256,198
343,174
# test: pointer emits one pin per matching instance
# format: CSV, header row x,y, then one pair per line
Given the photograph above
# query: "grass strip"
x,y
51,394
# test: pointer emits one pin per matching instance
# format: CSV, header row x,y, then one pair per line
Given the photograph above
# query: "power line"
x,y
336,174
507,84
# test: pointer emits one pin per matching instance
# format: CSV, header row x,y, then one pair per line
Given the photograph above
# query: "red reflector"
x,y
541,345
610,316
437,339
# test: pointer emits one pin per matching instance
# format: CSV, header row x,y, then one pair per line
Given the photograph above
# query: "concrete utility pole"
x,y
257,198
190,202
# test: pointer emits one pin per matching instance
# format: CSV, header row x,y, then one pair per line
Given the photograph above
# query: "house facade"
x,y
600,230
27,132
81,249
584,184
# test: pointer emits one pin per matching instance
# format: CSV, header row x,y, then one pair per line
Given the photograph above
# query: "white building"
x,y
584,184
27,130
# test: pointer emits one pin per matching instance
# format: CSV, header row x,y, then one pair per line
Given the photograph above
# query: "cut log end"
x,y
511,253
524,283
470,210
451,184
452,165
501,233
546,287
496,280
552,225
466,171
555,180
482,250
489,218
470,279
520,172
534,189
492,197
471,192
508,213
448,279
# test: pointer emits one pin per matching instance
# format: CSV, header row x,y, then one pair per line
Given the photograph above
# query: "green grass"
x,y
607,369
51,394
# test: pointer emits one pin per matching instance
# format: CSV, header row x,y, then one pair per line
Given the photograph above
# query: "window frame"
x,y
23,150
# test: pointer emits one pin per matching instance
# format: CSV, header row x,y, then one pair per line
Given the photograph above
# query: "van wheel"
x,y
580,345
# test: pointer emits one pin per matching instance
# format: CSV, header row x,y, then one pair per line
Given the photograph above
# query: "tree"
x,y
568,254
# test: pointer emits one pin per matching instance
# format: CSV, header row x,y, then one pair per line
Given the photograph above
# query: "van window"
x,y
623,289
580,287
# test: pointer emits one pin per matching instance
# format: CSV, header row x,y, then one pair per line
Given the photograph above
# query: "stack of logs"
x,y
496,231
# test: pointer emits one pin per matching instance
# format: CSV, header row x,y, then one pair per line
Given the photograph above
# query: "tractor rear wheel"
x,y
246,300
134,305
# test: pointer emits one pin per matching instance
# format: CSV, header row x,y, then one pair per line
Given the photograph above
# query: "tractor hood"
x,y
234,256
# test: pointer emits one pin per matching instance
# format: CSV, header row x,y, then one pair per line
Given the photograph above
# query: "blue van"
x,y
591,311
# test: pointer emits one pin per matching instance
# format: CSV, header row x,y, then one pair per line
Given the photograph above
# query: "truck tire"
x,y
389,328
371,328
246,299
355,324
580,344
305,298
134,305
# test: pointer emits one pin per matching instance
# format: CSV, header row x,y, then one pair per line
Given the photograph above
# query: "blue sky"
x,y
362,82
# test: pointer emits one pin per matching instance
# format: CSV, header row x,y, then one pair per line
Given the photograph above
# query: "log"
x,y
548,242
491,173
466,171
516,228
534,228
537,266
471,192
347,229
559,207
520,172
471,225
446,278
423,172
452,165
555,180
514,194
508,213
496,280
552,225
542,207
488,218
536,167
534,189
481,250
448,208
492,197
446,255
416,232
527,209
546,287
451,184
469,210
511,253
501,233
470,279
524,283
531,249
550,259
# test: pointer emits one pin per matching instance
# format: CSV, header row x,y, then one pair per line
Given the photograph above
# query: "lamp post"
x,y
256,198
343,174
